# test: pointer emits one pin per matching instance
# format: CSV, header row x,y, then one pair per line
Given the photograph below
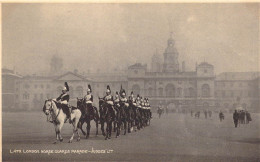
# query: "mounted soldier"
x,y
109,100
63,101
123,99
89,97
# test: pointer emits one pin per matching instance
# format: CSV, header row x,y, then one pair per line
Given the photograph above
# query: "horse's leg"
x,y
110,129
88,128
125,127
59,130
74,131
80,124
96,126
102,127
57,135
76,123
107,131
114,122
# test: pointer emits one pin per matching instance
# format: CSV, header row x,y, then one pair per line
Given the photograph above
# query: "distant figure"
x,y
191,113
242,117
248,117
197,114
206,114
221,116
235,118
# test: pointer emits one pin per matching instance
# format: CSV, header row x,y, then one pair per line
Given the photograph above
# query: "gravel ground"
x,y
173,137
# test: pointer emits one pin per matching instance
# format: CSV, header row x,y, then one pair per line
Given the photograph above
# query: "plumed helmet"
x,y
108,89
132,93
66,87
116,93
89,88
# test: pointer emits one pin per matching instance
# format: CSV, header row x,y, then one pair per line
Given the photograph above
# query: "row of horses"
x,y
123,118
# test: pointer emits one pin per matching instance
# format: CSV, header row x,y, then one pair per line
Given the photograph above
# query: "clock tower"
x,y
171,63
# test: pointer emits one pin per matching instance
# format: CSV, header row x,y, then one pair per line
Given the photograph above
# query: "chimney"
x,y
183,66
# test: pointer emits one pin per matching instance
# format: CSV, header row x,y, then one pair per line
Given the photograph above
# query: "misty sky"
x,y
91,36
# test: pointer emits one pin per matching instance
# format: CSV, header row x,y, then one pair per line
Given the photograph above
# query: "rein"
x,y
51,110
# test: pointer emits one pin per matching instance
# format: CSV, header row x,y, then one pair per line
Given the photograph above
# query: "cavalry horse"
x,y
105,117
88,114
58,118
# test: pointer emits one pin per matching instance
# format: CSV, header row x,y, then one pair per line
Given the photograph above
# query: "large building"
x,y
229,86
165,82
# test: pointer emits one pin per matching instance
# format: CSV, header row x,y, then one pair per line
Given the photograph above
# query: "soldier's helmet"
x,y
108,90
66,87
89,89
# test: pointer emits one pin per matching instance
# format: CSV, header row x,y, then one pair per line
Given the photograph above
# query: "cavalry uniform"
x,y
89,97
109,100
63,100
123,100
117,100
132,99
138,102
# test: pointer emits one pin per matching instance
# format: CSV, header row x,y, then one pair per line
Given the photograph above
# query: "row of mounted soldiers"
x,y
137,110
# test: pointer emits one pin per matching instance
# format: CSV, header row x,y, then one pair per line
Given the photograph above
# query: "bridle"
x,y
52,111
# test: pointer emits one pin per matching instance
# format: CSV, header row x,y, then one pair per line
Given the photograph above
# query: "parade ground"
x,y
173,137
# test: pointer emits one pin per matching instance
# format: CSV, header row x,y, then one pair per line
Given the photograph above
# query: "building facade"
x,y
165,83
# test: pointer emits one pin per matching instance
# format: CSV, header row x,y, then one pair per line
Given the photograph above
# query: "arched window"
x,y
79,91
205,90
136,89
170,90
150,91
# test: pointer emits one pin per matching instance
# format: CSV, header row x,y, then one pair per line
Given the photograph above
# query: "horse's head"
x,y
80,102
48,106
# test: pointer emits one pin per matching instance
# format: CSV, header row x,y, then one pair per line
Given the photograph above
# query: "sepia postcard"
x,y
130,81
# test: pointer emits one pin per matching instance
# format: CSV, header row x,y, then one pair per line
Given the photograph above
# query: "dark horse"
x,y
88,114
121,118
105,117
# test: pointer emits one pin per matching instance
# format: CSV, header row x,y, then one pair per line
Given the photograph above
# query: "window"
x,y
26,96
170,90
205,90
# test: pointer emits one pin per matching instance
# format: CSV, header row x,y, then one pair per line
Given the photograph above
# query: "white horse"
x,y
58,117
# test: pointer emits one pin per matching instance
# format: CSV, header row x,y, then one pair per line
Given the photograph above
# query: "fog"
x,y
108,36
